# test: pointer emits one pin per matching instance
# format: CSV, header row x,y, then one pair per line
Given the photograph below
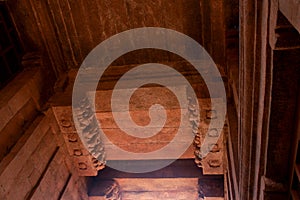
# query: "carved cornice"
x,y
86,164
213,163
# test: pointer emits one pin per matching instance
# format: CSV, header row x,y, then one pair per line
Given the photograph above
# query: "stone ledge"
x,y
13,163
18,92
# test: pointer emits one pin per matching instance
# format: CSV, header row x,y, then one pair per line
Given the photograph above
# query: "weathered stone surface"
x,y
14,129
64,119
77,184
66,31
36,167
208,131
141,100
19,103
162,184
13,163
142,118
83,161
54,179
290,9
69,30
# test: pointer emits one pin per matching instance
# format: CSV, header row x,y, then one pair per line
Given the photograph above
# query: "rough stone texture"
x,y
144,98
213,162
105,190
37,166
83,161
160,184
69,30
113,73
13,162
18,107
213,32
231,139
77,184
77,150
290,9
15,128
177,188
269,86
22,99
253,94
140,103
264,87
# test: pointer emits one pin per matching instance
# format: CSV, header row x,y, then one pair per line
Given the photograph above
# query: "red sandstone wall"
x,y
34,163
68,30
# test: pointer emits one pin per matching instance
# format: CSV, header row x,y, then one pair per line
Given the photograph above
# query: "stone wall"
x,y
263,158
23,98
19,105
68,30
34,163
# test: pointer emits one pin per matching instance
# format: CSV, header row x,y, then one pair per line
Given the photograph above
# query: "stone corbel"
x,y
85,163
213,163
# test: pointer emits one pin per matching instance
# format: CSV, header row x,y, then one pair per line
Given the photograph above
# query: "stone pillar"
x,y
254,80
269,81
282,137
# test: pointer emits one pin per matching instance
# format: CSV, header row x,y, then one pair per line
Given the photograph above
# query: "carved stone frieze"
x,y
89,130
212,163
84,161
